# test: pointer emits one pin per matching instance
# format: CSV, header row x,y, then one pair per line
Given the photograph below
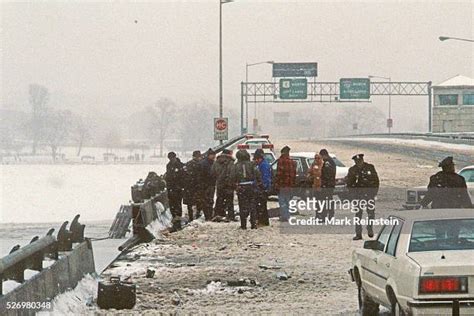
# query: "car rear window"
x,y
256,142
336,161
448,234
468,175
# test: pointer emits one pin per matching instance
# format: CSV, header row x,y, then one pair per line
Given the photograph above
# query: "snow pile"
x,y
28,274
213,288
413,142
76,301
9,286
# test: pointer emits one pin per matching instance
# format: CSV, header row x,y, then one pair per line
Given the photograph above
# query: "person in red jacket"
x,y
284,182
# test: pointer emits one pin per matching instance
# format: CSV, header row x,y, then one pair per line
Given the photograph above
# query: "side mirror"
x,y
374,245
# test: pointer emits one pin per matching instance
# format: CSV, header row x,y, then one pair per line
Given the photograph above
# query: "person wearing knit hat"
x,y
174,185
221,170
207,184
190,196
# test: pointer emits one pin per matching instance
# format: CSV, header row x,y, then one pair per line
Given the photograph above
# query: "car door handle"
x,y
375,260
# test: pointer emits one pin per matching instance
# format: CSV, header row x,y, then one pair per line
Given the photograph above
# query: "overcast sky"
x,y
95,54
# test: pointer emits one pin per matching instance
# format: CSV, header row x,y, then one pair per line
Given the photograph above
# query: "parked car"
x,y
421,264
256,141
304,160
416,194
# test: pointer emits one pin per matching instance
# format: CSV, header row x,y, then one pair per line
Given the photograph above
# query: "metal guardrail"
x,y
31,256
463,137
143,214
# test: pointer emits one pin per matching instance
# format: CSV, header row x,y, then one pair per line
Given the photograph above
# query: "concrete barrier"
x,y
63,275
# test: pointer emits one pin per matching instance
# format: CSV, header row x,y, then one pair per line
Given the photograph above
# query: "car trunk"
x,y
447,263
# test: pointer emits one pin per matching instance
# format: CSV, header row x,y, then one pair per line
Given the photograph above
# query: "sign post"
x,y
354,88
293,88
221,128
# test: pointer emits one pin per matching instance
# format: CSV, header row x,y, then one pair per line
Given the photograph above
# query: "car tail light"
x,y
437,285
270,146
248,136
265,136
243,146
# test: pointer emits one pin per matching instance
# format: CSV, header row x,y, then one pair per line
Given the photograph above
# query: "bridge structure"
x,y
328,92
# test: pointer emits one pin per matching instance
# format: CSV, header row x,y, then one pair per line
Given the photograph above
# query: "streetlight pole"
x,y
389,126
221,2
444,38
247,65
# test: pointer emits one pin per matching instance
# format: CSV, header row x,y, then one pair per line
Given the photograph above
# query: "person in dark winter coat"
x,y
221,170
174,184
192,177
447,189
328,183
284,182
263,189
246,177
206,184
363,184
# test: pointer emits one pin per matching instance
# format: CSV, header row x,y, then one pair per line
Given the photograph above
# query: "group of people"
x,y
362,182
207,175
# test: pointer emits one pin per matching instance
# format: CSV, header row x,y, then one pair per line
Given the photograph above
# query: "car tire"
x,y
396,310
367,306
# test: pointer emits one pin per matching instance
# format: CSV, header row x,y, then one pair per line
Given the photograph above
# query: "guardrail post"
x,y
64,238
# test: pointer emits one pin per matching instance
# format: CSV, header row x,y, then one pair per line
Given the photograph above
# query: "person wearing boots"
x,y
190,185
245,176
221,170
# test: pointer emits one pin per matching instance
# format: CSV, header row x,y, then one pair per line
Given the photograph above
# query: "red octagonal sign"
x,y
221,124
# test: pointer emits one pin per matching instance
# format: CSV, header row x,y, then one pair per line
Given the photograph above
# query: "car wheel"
x,y
396,309
367,307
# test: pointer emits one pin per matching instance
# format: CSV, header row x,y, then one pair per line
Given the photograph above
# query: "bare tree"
x,y
57,130
161,115
196,126
39,96
112,140
81,133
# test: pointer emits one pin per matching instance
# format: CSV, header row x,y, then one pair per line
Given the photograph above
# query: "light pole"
x,y
389,122
221,2
246,91
444,38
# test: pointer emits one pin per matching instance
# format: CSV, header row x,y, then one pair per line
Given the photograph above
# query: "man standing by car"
x,y
189,197
245,176
174,185
447,189
206,184
284,182
264,188
363,184
221,170
328,183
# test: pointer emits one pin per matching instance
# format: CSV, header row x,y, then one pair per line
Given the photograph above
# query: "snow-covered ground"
x,y
54,193
415,142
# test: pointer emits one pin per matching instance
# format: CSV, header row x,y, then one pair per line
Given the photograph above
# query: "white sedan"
x,y
415,195
423,264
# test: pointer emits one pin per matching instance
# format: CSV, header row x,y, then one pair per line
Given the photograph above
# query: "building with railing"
x,y
453,105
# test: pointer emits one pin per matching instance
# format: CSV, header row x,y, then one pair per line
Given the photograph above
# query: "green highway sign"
x,y
354,88
293,89
295,69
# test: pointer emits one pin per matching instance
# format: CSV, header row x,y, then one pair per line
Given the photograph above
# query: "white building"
x,y
453,105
